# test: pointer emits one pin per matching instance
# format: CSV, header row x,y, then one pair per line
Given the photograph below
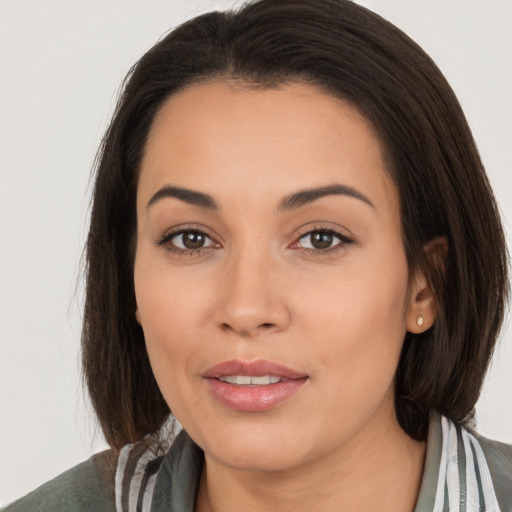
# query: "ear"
x,y
423,307
422,310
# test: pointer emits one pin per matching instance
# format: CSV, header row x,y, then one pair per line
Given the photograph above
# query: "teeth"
x,y
247,380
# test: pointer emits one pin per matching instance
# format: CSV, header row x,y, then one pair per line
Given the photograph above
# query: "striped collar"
x,y
456,476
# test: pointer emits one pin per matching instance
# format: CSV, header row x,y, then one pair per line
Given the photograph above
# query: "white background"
x,y
61,63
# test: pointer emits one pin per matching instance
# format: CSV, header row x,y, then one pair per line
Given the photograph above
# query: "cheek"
x,y
370,295
168,322
359,321
166,308
168,299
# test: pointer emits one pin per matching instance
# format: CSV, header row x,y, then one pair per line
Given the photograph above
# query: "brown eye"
x,y
322,240
191,240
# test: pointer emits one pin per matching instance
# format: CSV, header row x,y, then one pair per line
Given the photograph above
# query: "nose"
x,y
252,297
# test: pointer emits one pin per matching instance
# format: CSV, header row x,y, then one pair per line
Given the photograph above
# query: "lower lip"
x,y
254,398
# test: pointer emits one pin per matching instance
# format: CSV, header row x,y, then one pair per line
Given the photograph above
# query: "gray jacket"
x,y
91,486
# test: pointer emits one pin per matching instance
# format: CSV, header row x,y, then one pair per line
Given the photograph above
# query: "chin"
x,y
266,452
264,459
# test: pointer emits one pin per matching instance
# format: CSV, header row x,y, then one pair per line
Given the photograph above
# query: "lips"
x,y
253,386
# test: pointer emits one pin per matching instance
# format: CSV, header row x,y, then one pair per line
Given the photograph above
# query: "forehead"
x,y
224,135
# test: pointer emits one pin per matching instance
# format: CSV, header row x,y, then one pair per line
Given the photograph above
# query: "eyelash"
x,y
343,241
166,239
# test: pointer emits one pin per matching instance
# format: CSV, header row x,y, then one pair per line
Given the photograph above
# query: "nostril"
x,y
244,331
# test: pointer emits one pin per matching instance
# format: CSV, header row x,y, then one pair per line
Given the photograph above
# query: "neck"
x,y
378,472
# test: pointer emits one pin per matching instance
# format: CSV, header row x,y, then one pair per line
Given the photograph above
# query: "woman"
x,y
294,248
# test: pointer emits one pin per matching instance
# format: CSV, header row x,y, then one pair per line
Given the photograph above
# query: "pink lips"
x,y
253,398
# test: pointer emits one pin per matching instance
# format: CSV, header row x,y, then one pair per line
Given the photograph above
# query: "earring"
x,y
420,320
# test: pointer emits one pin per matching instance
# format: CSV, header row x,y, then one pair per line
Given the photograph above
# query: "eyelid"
x,y
164,240
338,233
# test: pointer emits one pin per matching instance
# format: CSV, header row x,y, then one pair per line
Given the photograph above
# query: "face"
x,y
270,275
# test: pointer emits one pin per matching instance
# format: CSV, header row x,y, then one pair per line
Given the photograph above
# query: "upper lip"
x,y
256,368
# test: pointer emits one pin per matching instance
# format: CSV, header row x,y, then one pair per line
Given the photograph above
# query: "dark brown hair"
x,y
353,54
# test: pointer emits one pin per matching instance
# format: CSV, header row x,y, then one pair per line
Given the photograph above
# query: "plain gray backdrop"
x,y
61,65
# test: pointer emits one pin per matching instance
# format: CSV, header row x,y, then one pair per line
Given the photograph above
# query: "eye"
x,y
322,240
187,241
191,240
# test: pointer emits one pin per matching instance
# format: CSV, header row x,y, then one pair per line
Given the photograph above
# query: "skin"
x,y
257,290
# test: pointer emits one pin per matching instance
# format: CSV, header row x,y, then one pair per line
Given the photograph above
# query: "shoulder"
x,y
88,486
498,454
499,460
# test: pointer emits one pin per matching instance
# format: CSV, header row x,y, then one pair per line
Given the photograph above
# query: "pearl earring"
x,y
420,320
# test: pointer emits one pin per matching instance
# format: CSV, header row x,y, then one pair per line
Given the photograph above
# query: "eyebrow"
x,y
291,202
307,196
186,195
